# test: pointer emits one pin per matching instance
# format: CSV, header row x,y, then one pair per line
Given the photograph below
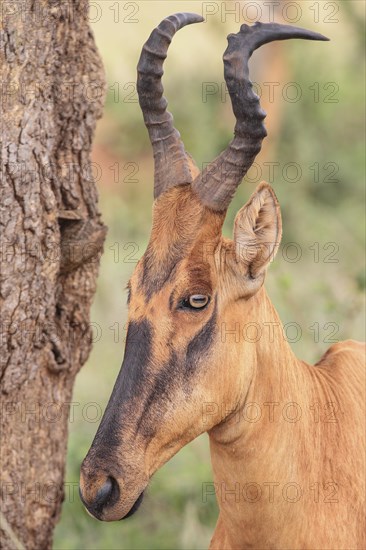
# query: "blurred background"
x,y
314,157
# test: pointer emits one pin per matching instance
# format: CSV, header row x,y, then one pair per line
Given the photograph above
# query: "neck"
x,y
250,448
269,372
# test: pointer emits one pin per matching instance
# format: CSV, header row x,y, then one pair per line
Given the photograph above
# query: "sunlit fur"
x,y
186,372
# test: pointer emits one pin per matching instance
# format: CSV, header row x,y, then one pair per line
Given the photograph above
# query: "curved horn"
x,y
216,184
171,162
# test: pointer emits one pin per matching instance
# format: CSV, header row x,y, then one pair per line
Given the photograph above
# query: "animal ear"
x,y
258,231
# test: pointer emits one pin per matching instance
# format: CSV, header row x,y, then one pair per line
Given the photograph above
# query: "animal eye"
x,y
196,301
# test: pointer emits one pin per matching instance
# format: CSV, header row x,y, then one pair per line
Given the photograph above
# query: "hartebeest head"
x,y
188,283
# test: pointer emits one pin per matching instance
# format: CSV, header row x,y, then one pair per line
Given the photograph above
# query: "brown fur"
x,y
195,358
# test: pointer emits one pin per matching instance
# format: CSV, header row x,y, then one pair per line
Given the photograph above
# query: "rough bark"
x,y
51,242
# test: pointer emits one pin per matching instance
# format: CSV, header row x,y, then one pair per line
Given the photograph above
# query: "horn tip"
x,y
320,37
278,31
192,17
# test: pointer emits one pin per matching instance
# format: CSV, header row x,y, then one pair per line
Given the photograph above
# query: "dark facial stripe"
x,y
130,382
177,372
201,343
137,356
135,380
159,394
154,279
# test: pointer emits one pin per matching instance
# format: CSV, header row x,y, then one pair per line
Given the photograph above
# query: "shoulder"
x,y
347,350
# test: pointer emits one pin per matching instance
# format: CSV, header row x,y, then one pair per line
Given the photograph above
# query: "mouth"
x,y
135,507
96,511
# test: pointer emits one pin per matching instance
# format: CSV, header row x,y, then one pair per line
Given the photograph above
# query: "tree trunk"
x,y
51,242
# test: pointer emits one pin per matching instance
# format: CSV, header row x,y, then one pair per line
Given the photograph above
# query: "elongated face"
x,y
188,284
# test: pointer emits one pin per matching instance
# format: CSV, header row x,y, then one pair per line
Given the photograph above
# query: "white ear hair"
x,y
258,230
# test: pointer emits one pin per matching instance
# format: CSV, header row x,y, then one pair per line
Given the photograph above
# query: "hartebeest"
x,y
285,480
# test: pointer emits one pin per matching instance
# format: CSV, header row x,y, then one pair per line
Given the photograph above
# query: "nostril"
x,y
106,496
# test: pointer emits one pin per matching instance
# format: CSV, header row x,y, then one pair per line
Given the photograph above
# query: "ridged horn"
x,y
170,159
217,183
